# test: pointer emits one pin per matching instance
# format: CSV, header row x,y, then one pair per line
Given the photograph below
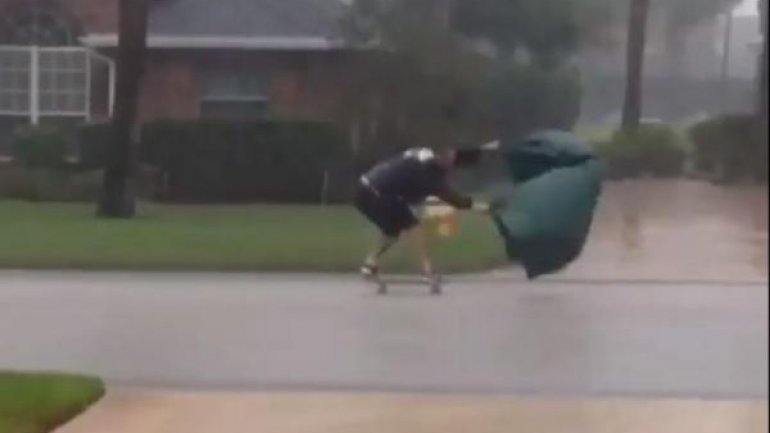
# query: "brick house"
x,y
235,59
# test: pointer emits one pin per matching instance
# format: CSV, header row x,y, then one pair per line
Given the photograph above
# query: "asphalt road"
x,y
309,332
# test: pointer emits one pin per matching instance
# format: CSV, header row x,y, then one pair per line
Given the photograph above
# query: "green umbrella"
x,y
543,151
545,219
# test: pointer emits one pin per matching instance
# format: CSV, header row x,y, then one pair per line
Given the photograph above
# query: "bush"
x,y
86,186
274,161
40,147
93,140
15,183
656,150
33,184
222,161
22,183
729,148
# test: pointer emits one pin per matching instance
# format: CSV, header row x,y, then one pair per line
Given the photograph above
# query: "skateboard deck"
x,y
383,282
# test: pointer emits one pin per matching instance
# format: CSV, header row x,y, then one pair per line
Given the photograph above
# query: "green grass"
x,y
232,238
38,403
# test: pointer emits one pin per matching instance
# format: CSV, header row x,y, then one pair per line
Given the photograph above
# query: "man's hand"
x,y
487,207
497,204
481,207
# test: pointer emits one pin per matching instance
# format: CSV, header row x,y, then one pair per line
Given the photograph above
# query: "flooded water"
x,y
677,230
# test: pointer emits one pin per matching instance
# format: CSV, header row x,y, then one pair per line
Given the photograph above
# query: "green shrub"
x,y
655,150
15,182
40,147
93,140
220,161
728,148
32,184
86,186
43,185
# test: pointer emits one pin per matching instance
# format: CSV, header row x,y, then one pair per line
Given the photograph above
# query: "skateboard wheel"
x,y
435,289
382,289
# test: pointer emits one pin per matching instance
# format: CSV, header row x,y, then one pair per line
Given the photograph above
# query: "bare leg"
x,y
421,248
385,244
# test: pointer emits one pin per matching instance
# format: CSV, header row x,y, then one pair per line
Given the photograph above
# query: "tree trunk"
x,y
727,43
118,198
676,48
637,36
763,59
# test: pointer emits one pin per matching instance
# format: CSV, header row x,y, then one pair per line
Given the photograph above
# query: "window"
x,y
44,76
235,94
37,82
15,64
63,82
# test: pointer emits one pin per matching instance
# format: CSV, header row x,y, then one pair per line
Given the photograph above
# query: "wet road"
x,y
677,231
325,332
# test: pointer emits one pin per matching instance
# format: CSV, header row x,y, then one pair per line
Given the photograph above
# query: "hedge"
x,y
93,140
655,150
729,148
224,161
40,146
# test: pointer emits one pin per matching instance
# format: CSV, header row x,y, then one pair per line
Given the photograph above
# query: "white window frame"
x,y
234,95
38,93
34,111
11,90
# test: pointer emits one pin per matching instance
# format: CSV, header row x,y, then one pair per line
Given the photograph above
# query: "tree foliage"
x,y
446,69
549,30
685,14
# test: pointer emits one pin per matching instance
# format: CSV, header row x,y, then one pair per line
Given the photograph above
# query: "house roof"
x,y
244,24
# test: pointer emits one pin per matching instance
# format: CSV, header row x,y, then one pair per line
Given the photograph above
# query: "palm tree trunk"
x,y
637,37
118,198
763,60
727,43
676,48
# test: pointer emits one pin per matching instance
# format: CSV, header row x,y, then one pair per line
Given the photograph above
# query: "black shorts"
x,y
390,214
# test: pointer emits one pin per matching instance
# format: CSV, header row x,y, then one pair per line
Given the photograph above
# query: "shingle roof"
x,y
251,24
246,18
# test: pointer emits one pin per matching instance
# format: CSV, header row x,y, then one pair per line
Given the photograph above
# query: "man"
x,y
387,193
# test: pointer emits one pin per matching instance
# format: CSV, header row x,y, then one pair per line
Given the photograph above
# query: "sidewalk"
x,y
126,411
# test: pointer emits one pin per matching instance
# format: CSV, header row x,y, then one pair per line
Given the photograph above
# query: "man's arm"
x,y
449,196
442,189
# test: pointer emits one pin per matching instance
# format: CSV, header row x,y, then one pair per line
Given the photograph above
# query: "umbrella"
x,y
542,152
546,218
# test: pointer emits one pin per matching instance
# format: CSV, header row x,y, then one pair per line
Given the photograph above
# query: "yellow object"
x,y
447,225
443,216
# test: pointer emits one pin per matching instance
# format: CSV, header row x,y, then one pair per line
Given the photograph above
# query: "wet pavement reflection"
x,y
677,230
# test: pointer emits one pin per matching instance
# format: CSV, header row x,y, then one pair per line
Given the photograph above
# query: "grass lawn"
x,y
233,238
38,403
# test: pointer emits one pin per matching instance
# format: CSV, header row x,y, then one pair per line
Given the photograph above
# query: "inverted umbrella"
x,y
546,218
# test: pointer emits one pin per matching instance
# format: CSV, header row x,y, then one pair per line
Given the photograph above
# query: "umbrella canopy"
x,y
546,219
542,152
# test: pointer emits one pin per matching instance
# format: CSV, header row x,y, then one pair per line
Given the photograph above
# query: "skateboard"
x,y
382,283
